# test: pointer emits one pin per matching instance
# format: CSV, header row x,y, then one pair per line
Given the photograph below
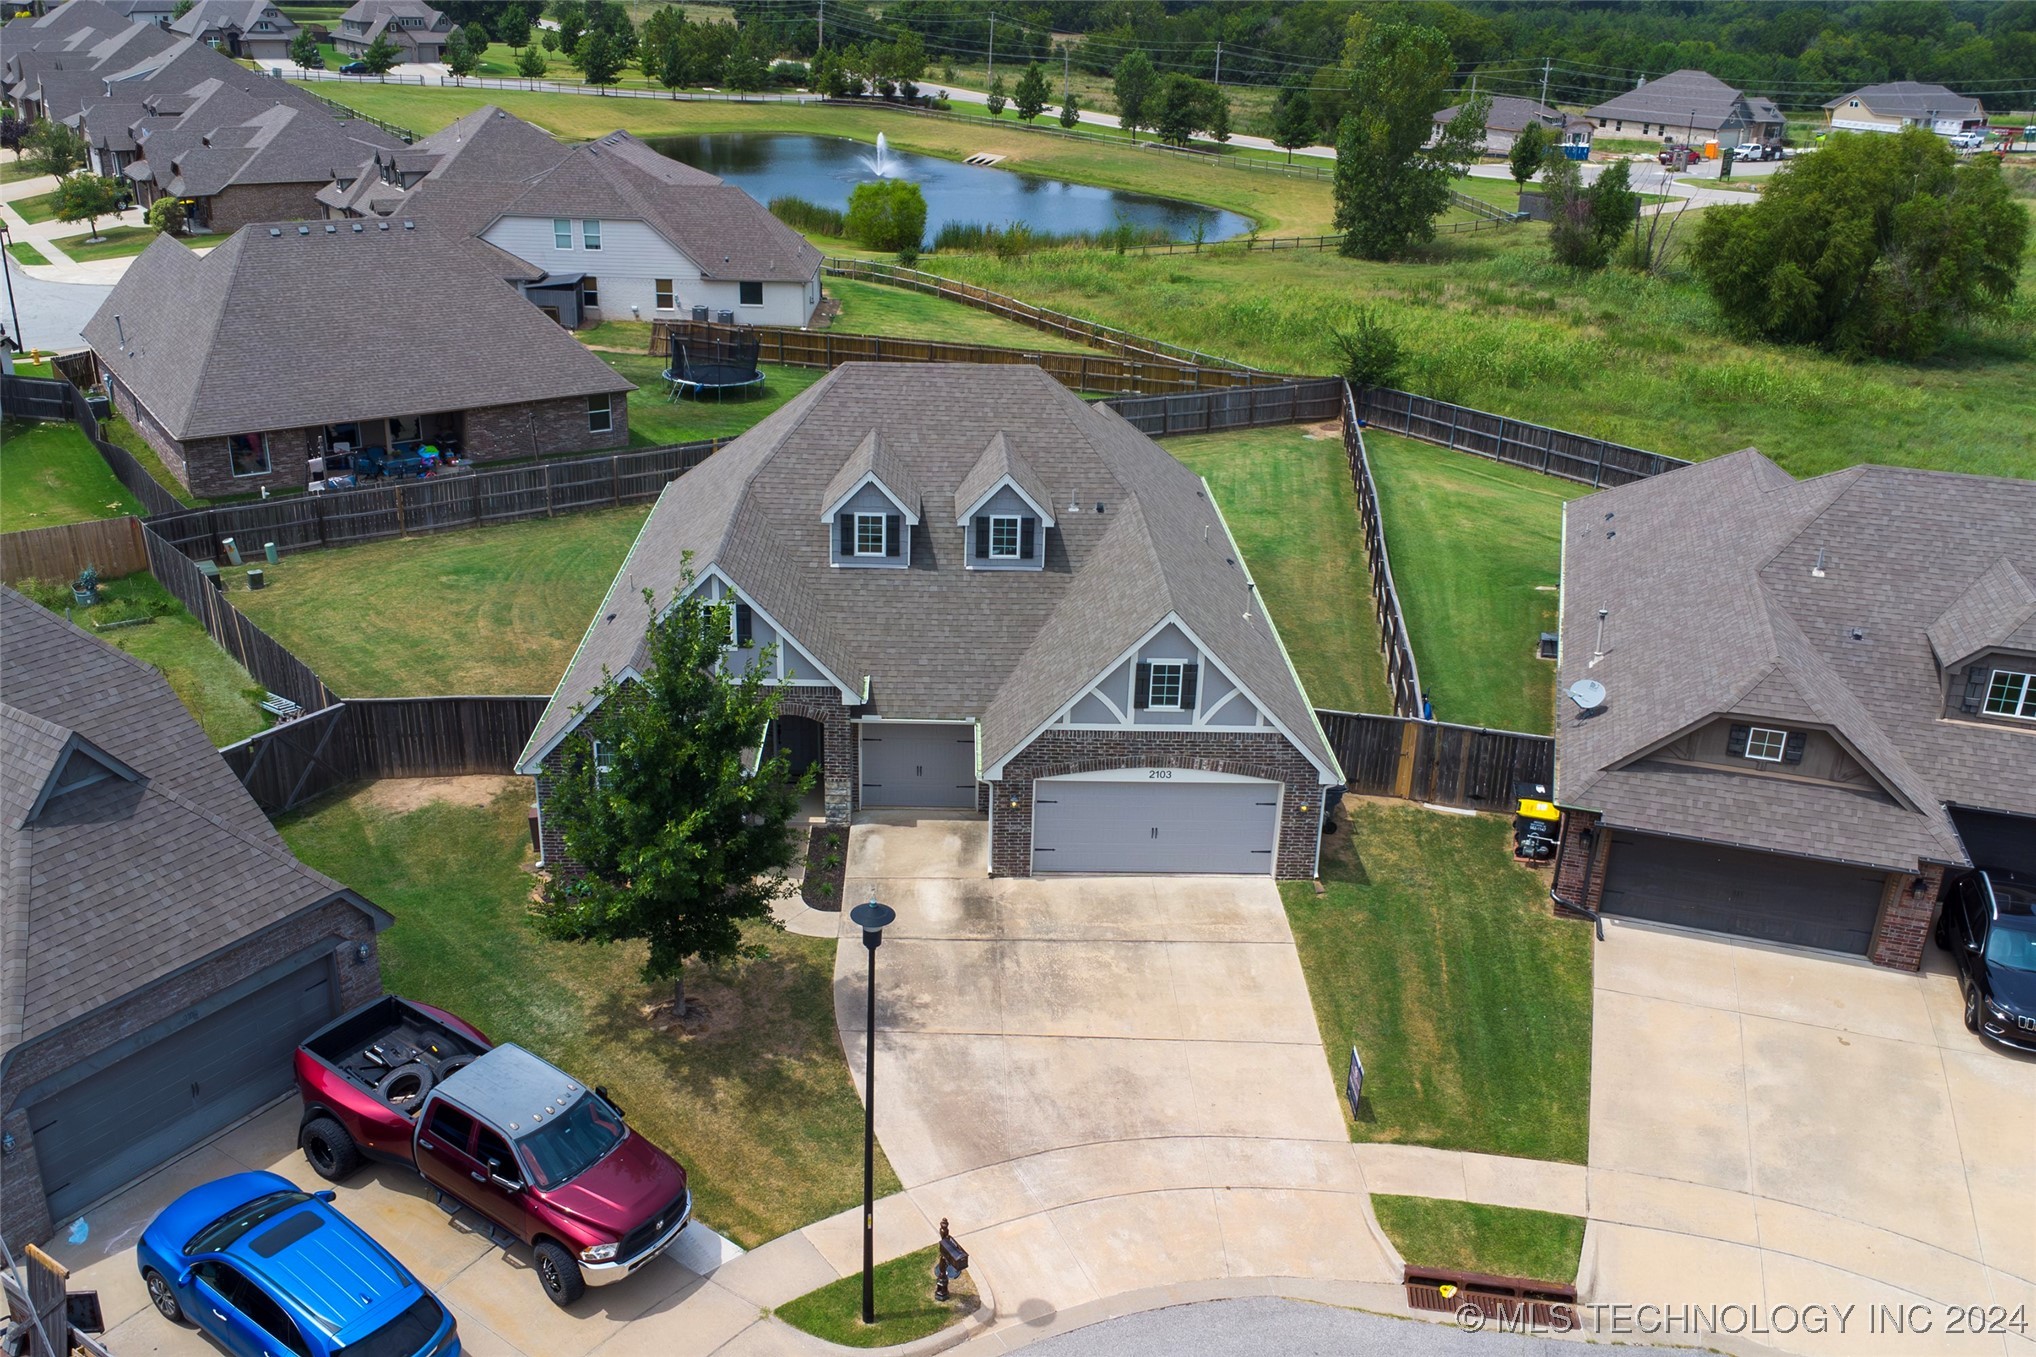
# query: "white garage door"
x,y
918,764
1154,821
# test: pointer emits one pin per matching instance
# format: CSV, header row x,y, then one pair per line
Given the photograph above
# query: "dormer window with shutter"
x,y
871,507
1005,510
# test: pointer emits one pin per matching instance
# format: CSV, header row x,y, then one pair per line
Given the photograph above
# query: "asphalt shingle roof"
x,y
937,640
249,337
1714,610
997,462
1688,98
1912,99
123,882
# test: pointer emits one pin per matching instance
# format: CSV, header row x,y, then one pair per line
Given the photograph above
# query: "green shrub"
x,y
1372,355
803,215
51,594
887,215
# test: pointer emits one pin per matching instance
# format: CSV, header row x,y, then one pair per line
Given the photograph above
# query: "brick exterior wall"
x,y
1256,754
1905,918
1580,867
550,428
24,1213
239,204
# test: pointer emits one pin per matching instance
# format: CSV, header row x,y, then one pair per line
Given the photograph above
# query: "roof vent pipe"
x,y
1598,651
1817,570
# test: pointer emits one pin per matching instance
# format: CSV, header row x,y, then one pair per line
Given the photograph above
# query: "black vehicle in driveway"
x,y
1988,924
356,68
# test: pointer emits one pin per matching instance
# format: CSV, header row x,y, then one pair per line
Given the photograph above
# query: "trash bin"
x,y
255,579
701,314
232,551
269,550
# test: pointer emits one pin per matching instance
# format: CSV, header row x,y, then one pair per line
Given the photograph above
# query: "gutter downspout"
x,y
1578,909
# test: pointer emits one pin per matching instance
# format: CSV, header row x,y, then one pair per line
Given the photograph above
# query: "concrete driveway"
x,y
1108,1084
1781,1128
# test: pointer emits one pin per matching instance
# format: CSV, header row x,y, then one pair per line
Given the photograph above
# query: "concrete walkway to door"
x,y
1108,1084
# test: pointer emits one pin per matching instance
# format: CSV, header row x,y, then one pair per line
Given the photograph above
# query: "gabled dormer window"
x,y
2012,693
872,505
870,534
1766,744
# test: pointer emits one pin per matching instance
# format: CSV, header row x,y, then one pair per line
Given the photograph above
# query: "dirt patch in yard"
x,y
401,795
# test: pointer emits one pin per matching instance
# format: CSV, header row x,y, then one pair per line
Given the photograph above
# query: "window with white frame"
x,y
1003,537
1766,745
562,233
590,234
1163,690
665,294
2012,694
869,534
249,452
600,413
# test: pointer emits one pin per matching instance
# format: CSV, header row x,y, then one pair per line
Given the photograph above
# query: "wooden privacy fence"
x,y
261,654
1299,402
1403,676
1433,761
112,546
382,737
1571,456
407,508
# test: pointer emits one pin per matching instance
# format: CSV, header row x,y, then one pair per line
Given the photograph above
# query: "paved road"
x,y
51,313
1284,1328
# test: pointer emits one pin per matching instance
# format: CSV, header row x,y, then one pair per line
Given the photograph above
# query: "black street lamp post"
x,y
872,918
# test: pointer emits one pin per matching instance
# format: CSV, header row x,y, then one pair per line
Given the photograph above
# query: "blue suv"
x,y
269,1270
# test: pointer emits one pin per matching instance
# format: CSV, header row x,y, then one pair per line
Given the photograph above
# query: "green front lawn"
x,y
756,1103
13,171
1500,1241
118,242
1476,548
40,208
494,609
904,1305
1437,957
25,252
1287,498
50,473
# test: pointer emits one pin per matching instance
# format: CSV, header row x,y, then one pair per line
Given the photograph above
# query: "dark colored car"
x,y
1680,157
1988,924
269,1270
355,68
538,1155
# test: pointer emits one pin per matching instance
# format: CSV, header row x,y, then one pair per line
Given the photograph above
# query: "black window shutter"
x,y
1735,742
1189,673
744,624
1975,688
847,522
1025,526
1792,748
1141,691
982,537
893,529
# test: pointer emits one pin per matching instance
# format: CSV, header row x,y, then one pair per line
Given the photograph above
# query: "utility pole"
x,y
820,42
1065,78
993,44
1219,61
1546,63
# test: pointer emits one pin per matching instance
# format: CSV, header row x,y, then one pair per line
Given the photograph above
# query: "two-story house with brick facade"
x,y
164,951
307,340
1817,698
983,595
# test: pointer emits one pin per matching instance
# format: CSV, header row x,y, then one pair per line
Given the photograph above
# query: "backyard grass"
x,y
50,474
115,429
655,419
1477,554
1502,1241
484,610
1436,956
874,309
1287,499
757,1103
118,242
905,1307
25,252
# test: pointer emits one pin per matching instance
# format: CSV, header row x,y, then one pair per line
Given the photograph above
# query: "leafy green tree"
x,y
1391,181
182,8
707,47
51,147
1293,117
995,98
600,58
86,198
512,26
908,63
460,56
477,37
1181,106
745,69
1133,87
1528,149
1372,353
1876,245
530,62
304,49
548,39
166,214
1615,207
658,35
887,215
1031,94
571,18
676,844
381,56
1218,125
1572,233
1071,110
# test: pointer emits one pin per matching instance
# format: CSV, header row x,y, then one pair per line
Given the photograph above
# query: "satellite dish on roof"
x,y
1588,694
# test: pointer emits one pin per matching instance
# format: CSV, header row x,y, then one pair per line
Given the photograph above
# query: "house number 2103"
x,y
1159,772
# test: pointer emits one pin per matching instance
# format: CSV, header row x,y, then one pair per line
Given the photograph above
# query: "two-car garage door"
x,y
1731,890
1155,820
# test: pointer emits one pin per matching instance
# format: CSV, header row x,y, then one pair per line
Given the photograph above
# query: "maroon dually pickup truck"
x,y
535,1152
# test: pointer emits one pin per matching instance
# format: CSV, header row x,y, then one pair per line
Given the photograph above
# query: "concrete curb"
x,y
952,1336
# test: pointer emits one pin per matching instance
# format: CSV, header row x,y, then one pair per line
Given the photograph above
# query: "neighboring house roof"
x,y
226,137
1682,99
1911,99
1509,114
67,68
367,11
1714,611
207,17
937,640
327,322
124,881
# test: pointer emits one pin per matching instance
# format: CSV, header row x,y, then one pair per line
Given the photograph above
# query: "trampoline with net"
x,y
719,366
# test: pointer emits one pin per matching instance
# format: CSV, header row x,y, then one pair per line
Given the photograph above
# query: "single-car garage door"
x,y
917,764
122,1121
1154,820
1730,890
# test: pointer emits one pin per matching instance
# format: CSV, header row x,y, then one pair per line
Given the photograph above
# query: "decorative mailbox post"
x,y
953,1261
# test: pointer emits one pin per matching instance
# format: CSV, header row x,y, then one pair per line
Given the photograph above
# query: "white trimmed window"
x,y
2012,694
590,234
1766,745
1003,537
601,413
869,534
562,233
665,300
1163,692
